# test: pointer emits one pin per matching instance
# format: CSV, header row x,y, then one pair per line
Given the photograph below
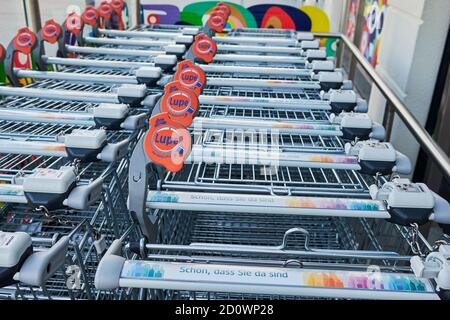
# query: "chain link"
x,y
58,219
65,222
378,180
355,141
441,242
76,165
415,246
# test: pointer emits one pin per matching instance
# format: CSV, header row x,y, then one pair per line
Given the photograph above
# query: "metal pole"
x,y
388,120
432,175
360,20
342,25
137,13
32,8
344,16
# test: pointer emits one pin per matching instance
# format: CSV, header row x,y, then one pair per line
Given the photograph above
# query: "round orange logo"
x,y
90,16
204,48
73,23
105,10
51,31
180,103
167,143
190,76
24,41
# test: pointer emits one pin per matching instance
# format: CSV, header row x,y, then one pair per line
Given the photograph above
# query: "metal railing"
x,y
394,103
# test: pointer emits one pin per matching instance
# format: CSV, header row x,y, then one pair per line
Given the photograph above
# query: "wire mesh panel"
x,y
268,113
161,27
268,179
297,94
254,140
262,64
259,76
185,232
112,57
276,33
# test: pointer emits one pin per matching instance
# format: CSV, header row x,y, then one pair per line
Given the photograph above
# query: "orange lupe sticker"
x,y
224,7
204,48
180,103
74,24
217,22
118,6
24,41
90,16
51,31
105,10
167,143
191,76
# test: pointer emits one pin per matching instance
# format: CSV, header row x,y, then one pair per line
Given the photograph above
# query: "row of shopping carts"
x,y
64,157
260,174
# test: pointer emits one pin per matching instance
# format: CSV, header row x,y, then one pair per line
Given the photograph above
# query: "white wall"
x,y
51,9
11,19
409,58
12,15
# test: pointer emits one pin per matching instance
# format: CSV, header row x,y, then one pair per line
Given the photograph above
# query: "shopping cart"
x,y
164,55
210,238
223,191
269,71
270,41
231,63
258,259
316,130
274,104
137,38
72,244
273,77
97,98
211,227
52,188
57,143
51,194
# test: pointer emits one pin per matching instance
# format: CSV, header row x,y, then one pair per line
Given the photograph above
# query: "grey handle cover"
x,y
441,210
151,100
114,151
83,196
134,122
40,266
402,164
